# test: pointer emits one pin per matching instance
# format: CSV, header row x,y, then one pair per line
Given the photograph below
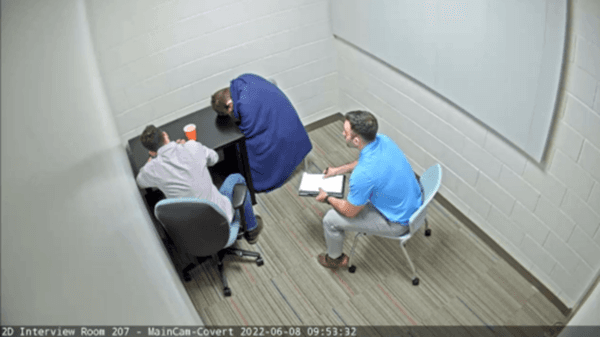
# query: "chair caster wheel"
x,y
187,278
428,232
352,269
227,292
260,261
416,282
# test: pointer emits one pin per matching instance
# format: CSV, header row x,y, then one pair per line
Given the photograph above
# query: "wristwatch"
x,y
327,199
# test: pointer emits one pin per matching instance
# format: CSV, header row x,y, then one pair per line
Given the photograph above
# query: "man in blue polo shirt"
x,y
384,191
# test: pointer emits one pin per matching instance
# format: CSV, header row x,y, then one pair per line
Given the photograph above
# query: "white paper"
x,y
312,183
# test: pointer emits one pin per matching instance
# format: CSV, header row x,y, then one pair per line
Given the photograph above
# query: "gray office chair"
x,y
200,228
431,181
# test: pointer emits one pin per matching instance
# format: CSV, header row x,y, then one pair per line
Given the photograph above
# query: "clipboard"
x,y
310,184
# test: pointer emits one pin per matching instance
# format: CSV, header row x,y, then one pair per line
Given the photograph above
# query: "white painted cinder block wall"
x,y
163,59
546,216
78,246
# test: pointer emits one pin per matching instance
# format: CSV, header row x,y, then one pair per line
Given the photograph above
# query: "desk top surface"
x,y
211,130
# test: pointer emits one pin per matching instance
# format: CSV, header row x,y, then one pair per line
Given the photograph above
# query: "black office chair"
x,y
200,228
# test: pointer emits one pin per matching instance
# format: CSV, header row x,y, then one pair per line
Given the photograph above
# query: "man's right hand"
x,y
330,172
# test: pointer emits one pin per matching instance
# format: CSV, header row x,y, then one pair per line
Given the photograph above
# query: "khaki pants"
x,y
369,221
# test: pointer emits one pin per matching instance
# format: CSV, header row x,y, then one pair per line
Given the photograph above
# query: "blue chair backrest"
x,y
197,226
431,181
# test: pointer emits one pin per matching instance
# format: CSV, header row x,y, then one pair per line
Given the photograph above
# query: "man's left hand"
x,y
180,141
322,195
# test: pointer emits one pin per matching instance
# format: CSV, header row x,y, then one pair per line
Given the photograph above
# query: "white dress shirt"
x,y
180,170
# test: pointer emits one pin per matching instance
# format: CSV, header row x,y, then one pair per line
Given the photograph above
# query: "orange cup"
x,y
190,131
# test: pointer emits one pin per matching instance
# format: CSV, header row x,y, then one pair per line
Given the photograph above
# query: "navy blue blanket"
x,y
276,140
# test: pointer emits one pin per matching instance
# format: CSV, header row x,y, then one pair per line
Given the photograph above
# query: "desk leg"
x,y
244,166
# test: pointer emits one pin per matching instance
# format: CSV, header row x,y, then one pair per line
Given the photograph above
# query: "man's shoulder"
x,y
151,166
385,139
255,84
249,76
389,145
248,81
362,170
147,173
381,158
192,144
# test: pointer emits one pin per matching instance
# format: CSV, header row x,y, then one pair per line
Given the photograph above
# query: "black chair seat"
x,y
199,228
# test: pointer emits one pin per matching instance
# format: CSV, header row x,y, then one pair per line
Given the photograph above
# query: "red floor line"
x,y
320,150
289,188
412,321
319,213
344,283
238,310
296,195
300,242
249,274
520,299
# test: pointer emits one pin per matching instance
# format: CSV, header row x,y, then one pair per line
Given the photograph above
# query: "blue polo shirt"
x,y
384,177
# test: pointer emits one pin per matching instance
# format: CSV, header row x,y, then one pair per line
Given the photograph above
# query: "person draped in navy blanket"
x,y
276,140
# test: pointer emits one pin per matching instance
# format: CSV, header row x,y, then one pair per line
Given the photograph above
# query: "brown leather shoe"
x,y
252,236
327,262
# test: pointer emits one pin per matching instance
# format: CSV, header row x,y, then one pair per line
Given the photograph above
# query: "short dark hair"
x,y
152,138
363,123
219,101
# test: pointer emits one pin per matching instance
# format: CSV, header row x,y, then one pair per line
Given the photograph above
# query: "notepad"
x,y
310,184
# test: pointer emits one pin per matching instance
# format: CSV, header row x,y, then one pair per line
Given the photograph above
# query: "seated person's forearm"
x,y
341,206
347,168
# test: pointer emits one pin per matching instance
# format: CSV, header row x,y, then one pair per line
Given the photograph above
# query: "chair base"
x,y
415,279
219,259
227,292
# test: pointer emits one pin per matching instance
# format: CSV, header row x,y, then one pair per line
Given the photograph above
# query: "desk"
x,y
217,133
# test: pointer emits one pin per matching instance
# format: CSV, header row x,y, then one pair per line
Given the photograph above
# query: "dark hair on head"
x,y
363,123
152,138
219,101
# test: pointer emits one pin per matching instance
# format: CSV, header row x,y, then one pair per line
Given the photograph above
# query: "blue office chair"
x,y
200,228
431,181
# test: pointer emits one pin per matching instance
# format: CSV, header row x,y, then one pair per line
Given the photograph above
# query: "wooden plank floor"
x,y
463,282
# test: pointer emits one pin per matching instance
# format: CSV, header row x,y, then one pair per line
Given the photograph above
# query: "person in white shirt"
x,y
180,169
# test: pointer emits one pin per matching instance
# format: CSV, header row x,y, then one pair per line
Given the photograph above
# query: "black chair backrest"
x,y
195,225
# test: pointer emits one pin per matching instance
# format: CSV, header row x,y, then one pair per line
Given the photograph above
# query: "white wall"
x,y
78,246
467,51
164,59
548,217
587,316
